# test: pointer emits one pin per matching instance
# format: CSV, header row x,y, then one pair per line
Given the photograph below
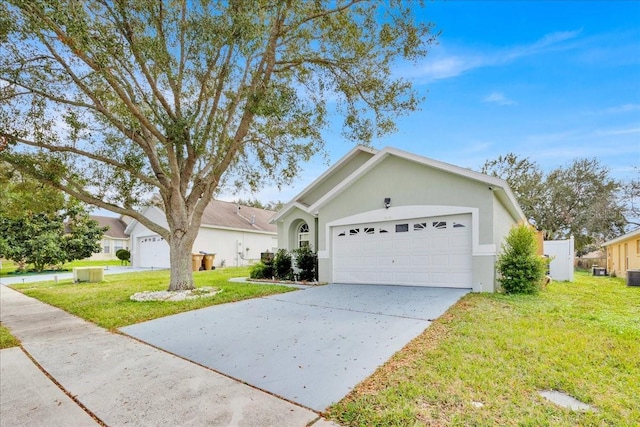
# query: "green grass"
x,y
6,339
108,305
10,267
582,338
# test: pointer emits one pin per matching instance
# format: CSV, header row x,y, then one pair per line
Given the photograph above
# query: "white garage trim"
x,y
409,212
423,251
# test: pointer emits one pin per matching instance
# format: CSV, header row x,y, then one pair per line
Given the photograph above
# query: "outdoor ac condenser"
x,y
88,274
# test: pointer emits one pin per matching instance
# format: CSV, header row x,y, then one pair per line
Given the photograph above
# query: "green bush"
x,y
123,255
521,269
261,270
306,261
282,265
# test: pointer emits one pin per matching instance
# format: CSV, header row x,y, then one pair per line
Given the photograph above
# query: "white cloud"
x,y
498,98
625,108
442,65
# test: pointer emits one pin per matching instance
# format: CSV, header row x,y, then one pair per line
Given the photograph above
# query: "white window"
x,y
440,225
106,246
303,235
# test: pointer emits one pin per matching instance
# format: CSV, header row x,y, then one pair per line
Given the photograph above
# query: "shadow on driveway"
x,y
311,346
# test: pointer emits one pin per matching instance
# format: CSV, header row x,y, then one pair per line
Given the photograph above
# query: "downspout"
x,y
316,242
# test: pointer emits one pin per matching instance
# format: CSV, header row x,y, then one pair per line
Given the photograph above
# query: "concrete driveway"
x,y
310,346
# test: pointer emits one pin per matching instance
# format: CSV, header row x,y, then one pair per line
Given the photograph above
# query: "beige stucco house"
x,y
392,217
623,253
236,234
112,240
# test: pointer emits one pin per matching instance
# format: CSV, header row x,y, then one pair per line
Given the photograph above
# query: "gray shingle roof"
x,y
116,226
227,214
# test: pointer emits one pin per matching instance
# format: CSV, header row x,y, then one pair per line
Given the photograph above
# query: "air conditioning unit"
x,y
88,274
633,277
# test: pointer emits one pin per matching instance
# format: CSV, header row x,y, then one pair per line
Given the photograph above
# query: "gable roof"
x,y
232,215
228,215
499,186
629,235
116,226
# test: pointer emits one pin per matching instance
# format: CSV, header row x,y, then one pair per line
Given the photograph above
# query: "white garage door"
x,y
153,251
434,251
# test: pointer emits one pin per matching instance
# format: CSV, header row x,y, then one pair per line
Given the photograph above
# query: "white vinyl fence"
x,y
561,253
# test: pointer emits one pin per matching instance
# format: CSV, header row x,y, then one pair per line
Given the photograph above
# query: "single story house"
x,y
623,253
393,217
113,239
236,234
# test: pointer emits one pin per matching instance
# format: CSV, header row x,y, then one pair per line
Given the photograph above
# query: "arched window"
x,y
303,235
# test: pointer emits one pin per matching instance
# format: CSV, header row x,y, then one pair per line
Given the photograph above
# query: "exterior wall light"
x,y
387,202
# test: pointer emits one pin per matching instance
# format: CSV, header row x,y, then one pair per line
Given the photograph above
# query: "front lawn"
x,y
6,339
108,305
485,360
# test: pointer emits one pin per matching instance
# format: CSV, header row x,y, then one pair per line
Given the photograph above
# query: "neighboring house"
x,y
236,234
623,253
112,240
392,217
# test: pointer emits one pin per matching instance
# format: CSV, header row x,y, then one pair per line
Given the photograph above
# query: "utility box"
x,y
88,274
599,271
266,257
633,277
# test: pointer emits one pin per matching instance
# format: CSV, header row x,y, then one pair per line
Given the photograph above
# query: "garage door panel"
x,y
153,251
421,251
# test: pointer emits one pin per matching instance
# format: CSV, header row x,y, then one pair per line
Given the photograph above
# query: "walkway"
x,y
118,380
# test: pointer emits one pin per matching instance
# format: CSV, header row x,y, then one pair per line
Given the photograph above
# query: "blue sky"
x,y
552,81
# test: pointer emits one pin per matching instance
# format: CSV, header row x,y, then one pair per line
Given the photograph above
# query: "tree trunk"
x,y
180,247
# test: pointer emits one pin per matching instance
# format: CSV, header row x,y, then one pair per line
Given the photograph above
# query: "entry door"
x,y
430,251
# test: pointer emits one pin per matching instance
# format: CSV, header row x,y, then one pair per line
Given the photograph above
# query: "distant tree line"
x,y
580,199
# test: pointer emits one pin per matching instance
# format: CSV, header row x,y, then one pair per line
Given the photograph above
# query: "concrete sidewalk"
x,y
117,379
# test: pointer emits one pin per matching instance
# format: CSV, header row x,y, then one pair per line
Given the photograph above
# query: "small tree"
x,y
41,239
123,255
282,265
306,261
521,269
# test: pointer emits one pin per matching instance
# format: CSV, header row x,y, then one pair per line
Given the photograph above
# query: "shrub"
x,y
521,269
261,270
306,261
282,265
123,255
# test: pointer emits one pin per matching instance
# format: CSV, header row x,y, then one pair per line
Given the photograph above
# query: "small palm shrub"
x,y
306,261
521,269
282,265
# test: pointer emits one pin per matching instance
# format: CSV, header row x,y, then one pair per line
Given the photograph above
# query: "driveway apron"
x,y
311,346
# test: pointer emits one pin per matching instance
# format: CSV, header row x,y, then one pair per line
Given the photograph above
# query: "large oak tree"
x,y
112,101
580,199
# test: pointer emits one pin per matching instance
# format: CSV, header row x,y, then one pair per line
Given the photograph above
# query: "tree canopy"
x,y
114,101
45,238
580,199
21,193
